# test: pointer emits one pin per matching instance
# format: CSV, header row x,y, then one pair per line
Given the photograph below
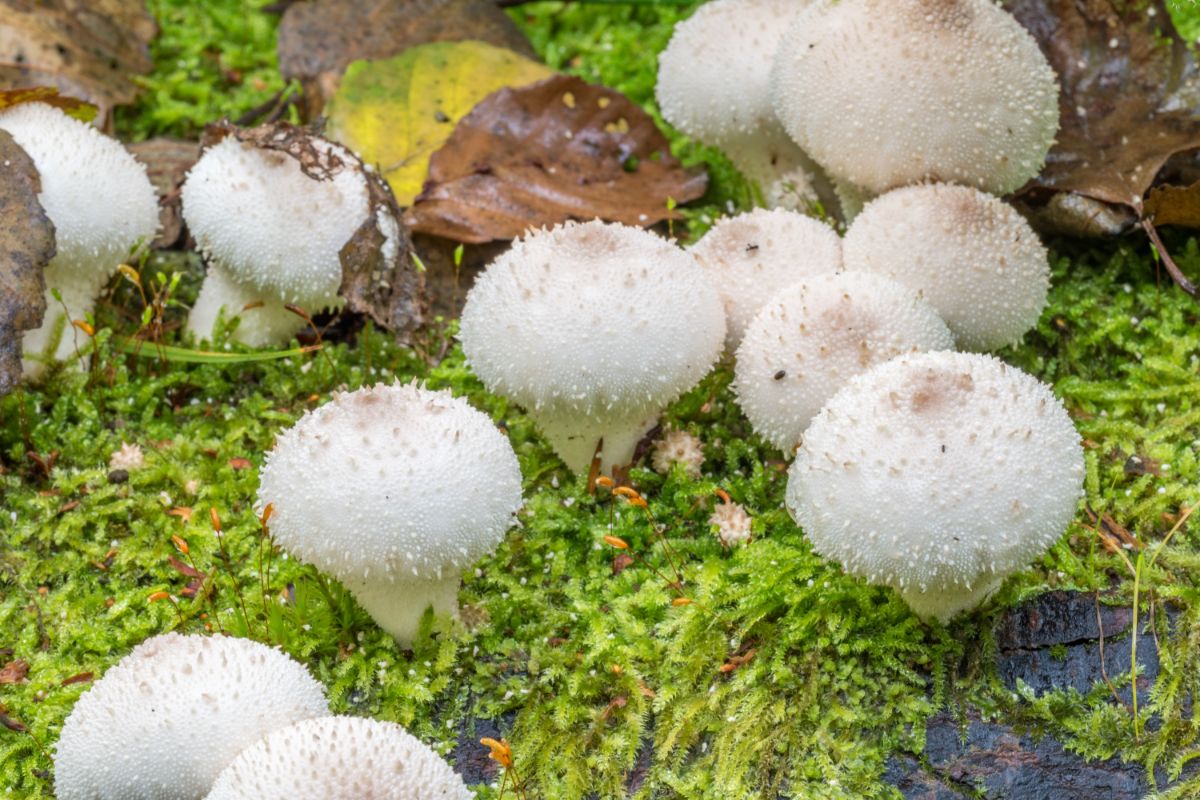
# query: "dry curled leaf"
x,y
319,38
14,671
1130,102
90,49
542,154
26,246
167,163
1174,205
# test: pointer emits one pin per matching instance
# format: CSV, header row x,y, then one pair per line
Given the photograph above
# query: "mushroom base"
x,y
945,604
785,175
57,339
265,324
575,440
397,606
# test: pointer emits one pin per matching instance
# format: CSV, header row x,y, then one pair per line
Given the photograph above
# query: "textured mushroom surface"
x,y
271,233
714,85
101,203
938,474
973,257
594,329
166,719
812,337
884,93
752,256
340,758
389,488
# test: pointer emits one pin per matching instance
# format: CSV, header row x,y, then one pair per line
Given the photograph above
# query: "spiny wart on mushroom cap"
x,y
102,205
594,329
884,93
714,85
752,256
813,337
938,474
970,255
273,233
167,718
340,758
394,490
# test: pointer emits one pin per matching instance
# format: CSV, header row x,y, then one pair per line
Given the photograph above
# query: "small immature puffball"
x,y
594,329
340,758
129,457
884,93
812,337
938,474
102,205
393,490
973,257
678,447
752,256
164,722
714,85
271,234
733,523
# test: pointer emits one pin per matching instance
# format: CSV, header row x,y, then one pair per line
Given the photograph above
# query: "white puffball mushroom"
x,y
714,85
678,447
884,93
393,490
973,257
102,205
271,235
593,328
751,256
340,758
167,718
813,337
938,474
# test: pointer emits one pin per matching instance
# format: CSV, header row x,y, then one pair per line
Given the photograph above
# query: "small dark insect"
x,y
943,448
750,248
441,116
783,374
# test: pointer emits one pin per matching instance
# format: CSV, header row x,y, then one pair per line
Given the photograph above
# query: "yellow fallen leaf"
x,y
397,112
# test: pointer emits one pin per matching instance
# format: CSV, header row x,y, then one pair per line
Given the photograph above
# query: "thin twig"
x,y
1173,269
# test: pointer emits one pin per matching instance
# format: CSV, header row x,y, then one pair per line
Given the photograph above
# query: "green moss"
x,y
590,666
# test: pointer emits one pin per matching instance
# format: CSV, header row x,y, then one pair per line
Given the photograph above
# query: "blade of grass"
x,y
137,347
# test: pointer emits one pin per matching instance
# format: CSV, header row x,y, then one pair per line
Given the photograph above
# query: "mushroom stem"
x,y
266,323
575,441
398,605
57,339
785,175
944,604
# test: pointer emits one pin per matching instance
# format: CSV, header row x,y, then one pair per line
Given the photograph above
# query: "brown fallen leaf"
x,y
541,154
1174,205
13,725
318,38
167,162
26,246
1130,102
82,677
90,49
14,671
240,463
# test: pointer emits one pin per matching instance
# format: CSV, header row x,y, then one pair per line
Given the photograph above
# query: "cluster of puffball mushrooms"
x,y
935,472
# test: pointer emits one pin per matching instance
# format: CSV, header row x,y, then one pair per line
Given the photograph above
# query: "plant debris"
x,y
538,155
319,38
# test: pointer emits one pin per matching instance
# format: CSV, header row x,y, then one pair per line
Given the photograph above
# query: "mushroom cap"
x,y
269,225
714,75
592,321
936,474
884,93
340,758
812,337
973,257
95,192
396,481
167,718
752,256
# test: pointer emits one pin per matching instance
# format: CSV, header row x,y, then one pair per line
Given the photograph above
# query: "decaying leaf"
x,y
397,112
394,297
14,671
167,162
1130,101
1174,205
48,95
26,246
319,38
89,49
542,154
